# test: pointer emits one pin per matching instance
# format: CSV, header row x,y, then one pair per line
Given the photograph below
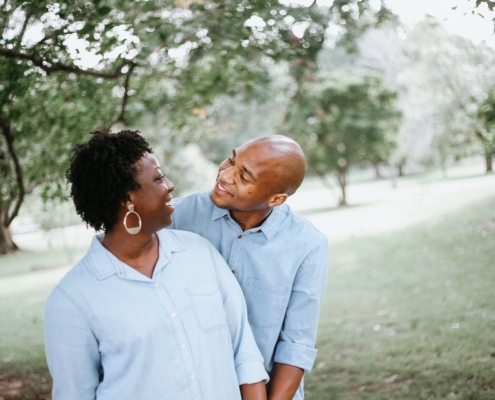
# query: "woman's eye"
x,y
160,178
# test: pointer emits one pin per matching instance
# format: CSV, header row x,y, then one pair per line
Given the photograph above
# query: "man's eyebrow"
x,y
234,153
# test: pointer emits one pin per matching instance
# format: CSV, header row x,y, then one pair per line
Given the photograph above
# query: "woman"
x,y
148,313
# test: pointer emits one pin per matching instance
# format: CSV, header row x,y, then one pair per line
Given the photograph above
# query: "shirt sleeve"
x,y
71,349
247,357
298,335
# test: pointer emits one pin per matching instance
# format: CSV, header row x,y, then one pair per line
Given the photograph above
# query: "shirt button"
x,y
183,345
173,315
192,376
157,284
239,237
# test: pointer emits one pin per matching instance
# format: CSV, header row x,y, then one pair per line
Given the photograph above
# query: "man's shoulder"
x,y
302,228
201,199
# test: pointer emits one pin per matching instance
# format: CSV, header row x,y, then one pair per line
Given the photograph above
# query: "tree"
x,y
67,68
346,121
486,118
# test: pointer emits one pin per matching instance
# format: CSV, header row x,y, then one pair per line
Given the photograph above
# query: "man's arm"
x,y
295,352
284,381
255,391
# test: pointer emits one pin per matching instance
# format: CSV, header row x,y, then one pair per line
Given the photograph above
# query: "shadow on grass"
x,y
321,210
19,383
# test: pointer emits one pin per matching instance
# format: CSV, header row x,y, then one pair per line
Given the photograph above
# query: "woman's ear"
x,y
277,199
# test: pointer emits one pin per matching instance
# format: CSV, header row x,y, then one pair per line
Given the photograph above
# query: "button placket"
x,y
180,337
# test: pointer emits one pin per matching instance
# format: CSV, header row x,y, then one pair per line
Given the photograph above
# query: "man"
x,y
279,259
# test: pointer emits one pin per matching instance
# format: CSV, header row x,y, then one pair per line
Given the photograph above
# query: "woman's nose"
x,y
170,186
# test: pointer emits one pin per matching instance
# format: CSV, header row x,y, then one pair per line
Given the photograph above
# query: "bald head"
x,y
286,160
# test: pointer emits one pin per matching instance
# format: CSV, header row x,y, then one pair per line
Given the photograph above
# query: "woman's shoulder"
x,y
183,239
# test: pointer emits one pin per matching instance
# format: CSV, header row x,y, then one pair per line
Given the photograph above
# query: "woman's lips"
x,y
170,203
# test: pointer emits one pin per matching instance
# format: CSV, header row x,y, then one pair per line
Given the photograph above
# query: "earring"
x,y
135,230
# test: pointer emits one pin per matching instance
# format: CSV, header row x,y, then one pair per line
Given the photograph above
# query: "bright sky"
x,y
471,26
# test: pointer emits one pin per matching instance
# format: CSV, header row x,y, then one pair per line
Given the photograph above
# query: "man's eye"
x,y
231,161
244,179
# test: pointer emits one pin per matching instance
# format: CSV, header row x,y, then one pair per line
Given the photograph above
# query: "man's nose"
x,y
227,175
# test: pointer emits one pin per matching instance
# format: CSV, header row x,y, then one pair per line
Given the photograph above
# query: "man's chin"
x,y
215,200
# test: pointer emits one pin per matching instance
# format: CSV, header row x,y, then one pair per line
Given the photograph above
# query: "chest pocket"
x,y
208,307
266,303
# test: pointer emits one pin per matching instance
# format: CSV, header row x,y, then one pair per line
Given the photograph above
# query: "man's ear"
x,y
277,199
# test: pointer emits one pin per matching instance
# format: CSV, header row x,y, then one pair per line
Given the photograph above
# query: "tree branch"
x,y
126,95
49,68
6,131
23,30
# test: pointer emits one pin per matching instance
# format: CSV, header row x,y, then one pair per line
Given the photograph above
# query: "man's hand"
x,y
254,391
284,381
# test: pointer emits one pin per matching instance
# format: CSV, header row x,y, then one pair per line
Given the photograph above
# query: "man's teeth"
x,y
222,188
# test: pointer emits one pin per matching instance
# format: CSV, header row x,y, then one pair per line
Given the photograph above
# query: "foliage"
x,y
68,68
345,121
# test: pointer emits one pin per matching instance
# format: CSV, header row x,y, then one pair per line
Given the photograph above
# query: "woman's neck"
x,y
139,251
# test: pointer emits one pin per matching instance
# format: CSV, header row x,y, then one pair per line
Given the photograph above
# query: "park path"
x,y
375,207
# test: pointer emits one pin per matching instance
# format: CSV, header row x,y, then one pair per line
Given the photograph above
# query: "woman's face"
x,y
152,201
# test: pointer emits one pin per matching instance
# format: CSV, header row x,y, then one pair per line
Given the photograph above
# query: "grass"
x,y
406,315
411,315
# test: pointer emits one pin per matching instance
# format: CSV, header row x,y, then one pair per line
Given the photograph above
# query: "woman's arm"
x,y
250,370
71,349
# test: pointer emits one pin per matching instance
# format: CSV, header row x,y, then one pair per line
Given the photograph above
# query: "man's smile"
x,y
221,190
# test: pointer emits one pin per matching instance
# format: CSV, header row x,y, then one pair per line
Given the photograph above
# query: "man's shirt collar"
x,y
269,227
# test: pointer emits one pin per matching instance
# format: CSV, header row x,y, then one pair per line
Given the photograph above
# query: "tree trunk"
x,y
342,178
378,174
7,245
400,168
488,160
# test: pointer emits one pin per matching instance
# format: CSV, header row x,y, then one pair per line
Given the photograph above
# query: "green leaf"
x,y
104,10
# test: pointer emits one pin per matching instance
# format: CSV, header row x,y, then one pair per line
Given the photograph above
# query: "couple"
x,y
152,313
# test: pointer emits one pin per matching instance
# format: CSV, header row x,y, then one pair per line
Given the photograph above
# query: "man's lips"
x,y
221,190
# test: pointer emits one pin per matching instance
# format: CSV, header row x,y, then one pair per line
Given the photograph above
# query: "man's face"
x,y
246,180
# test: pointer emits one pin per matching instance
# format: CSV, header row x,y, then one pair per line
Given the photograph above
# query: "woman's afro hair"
x,y
102,172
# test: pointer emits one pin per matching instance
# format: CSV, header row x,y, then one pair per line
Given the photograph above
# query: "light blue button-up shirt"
x,y
113,333
281,267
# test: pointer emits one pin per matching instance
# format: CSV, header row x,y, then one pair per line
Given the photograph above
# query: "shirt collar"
x,y
105,264
269,227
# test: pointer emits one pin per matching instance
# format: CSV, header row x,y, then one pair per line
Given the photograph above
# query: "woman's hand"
x,y
254,391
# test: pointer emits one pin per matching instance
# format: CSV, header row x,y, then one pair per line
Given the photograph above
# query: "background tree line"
x,y
190,71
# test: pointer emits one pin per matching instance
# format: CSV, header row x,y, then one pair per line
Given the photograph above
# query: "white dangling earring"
x,y
135,230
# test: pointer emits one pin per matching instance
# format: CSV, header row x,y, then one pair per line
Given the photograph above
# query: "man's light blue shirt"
x,y
113,333
281,267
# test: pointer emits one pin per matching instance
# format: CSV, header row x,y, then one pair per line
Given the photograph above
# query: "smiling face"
x,y
248,179
153,200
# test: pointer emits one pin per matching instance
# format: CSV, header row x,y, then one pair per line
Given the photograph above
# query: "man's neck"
x,y
250,219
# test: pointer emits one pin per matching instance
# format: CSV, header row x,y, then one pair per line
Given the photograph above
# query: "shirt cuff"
x,y
295,354
251,372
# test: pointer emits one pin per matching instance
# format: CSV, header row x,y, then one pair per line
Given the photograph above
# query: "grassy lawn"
x,y
406,315
411,315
